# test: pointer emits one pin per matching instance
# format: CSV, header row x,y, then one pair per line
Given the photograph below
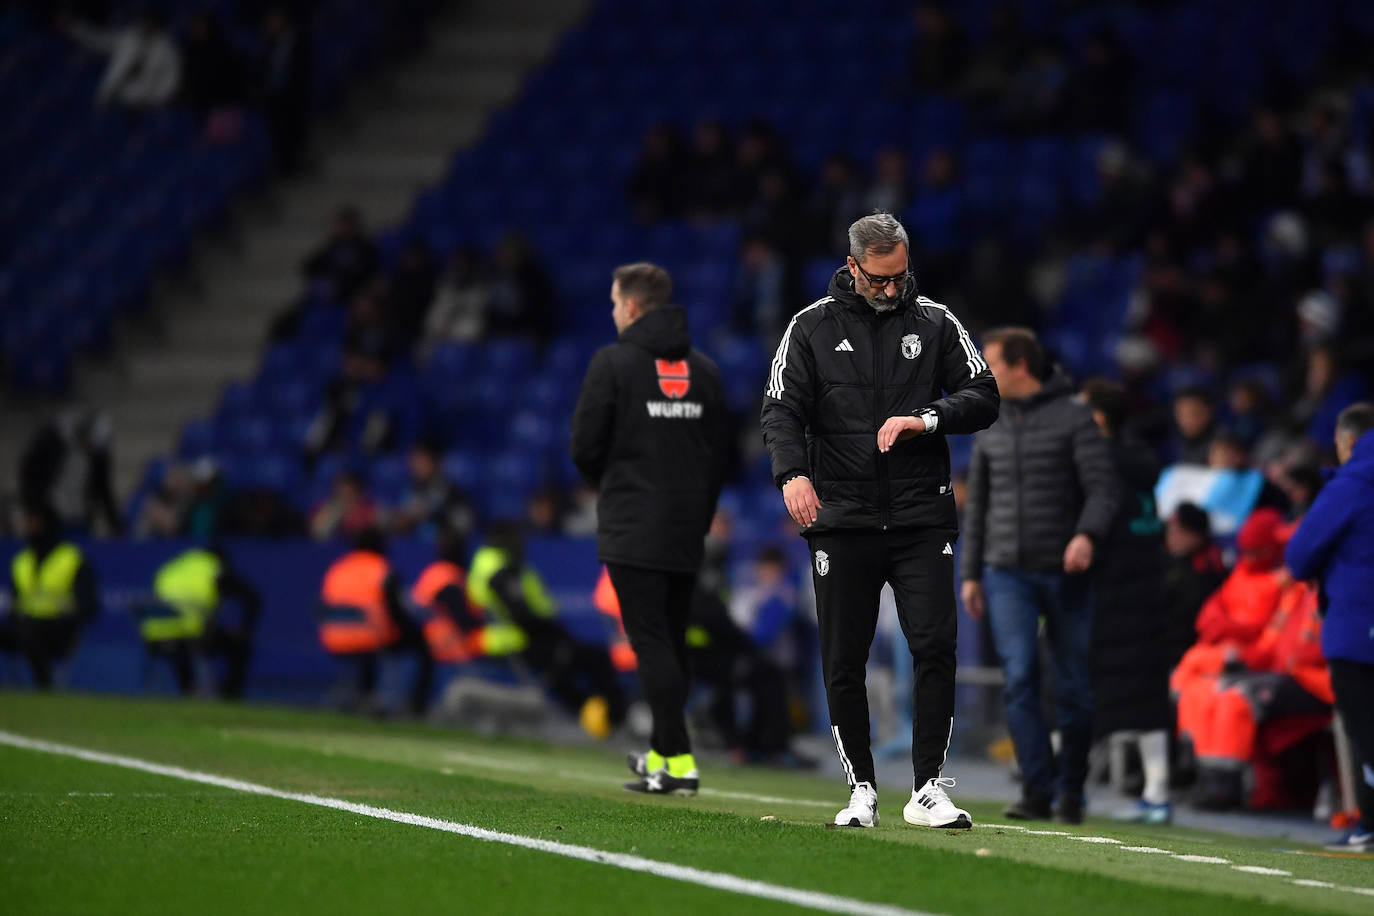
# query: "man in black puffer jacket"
x,y
865,385
650,432
1042,493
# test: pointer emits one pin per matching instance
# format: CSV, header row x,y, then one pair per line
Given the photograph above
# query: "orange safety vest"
x,y
608,602
446,642
1292,643
355,618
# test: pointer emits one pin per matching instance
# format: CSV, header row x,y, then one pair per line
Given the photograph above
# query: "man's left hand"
x,y
1078,556
897,429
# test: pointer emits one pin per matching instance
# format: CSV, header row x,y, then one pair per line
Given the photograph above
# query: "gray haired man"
x,y
865,385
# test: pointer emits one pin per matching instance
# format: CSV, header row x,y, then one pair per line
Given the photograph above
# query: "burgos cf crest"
x,y
911,346
674,377
822,562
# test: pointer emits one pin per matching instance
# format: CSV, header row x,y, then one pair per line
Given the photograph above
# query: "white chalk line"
x,y
1197,860
814,900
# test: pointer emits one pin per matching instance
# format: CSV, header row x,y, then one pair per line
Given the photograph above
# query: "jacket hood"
x,y
1361,463
662,331
1056,386
842,289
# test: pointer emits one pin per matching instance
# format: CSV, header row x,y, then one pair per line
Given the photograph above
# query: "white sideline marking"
x,y
815,900
1261,870
1203,860
1094,839
1154,850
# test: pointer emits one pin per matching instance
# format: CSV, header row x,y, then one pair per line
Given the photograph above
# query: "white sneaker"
x,y
862,810
930,807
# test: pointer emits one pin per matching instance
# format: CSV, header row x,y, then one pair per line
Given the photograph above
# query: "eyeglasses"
x,y
899,280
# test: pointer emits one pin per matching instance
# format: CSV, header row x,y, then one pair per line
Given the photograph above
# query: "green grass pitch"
x,y
78,836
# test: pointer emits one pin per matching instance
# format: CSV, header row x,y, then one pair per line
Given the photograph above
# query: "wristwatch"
x,y
930,418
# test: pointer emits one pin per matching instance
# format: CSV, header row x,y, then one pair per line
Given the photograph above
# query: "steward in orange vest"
x,y
361,615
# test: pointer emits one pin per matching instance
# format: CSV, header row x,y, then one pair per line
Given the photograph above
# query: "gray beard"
x,y
882,305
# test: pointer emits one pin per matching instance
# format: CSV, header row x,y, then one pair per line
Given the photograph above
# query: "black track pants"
x,y
653,607
849,570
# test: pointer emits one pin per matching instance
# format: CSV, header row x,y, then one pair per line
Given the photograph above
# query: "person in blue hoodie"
x,y
1334,545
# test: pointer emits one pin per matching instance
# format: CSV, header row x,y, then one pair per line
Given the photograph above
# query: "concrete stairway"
x,y
394,138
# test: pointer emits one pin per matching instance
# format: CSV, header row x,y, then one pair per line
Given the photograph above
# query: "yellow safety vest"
x,y
187,589
486,563
48,589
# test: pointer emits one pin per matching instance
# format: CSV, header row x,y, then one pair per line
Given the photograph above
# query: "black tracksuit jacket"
x,y
650,432
840,371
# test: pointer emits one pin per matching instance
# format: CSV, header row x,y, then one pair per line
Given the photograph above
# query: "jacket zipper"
x,y
883,484
1016,418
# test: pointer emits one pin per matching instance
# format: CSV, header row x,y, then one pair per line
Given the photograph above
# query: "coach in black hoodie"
x,y
865,385
649,432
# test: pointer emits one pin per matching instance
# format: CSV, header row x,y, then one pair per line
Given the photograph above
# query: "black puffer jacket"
x,y
840,371
650,432
1130,616
1040,475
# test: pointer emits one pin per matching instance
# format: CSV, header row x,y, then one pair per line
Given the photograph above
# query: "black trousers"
x,y
732,664
234,647
653,607
573,671
849,569
43,641
1353,684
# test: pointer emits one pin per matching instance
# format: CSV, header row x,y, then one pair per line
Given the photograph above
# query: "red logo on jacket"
x,y
674,378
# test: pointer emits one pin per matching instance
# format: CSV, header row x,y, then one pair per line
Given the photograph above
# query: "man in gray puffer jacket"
x,y
1041,496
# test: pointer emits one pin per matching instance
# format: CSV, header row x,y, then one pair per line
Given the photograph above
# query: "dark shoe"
x,y
660,783
1028,809
1217,790
1070,811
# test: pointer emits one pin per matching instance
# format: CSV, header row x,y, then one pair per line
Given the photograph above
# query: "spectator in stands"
x,y
836,202
1116,217
145,64
1300,483
210,494
522,302
1271,159
67,464
1195,422
939,50
1130,626
542,512
347,512
459,309
214,75
410,291
655,187
1194,573
164,512
283,79
261,512
1327,389
53,593
346,261
362,616
1036,96
997,57
761,289
1031,549
766,607
1250,410
1099,83
1333,546
889,190
710,178
1238,611
432,502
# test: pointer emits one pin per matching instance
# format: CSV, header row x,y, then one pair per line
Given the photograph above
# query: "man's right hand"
x,y
802,502
974,602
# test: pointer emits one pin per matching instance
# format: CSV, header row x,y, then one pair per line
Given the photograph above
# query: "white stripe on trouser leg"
x,y
844,758
816,900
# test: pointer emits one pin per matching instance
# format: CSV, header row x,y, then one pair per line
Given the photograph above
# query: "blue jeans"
x,y
1016,601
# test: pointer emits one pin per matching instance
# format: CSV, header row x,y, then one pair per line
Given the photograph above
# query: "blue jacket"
x,y
1335,545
